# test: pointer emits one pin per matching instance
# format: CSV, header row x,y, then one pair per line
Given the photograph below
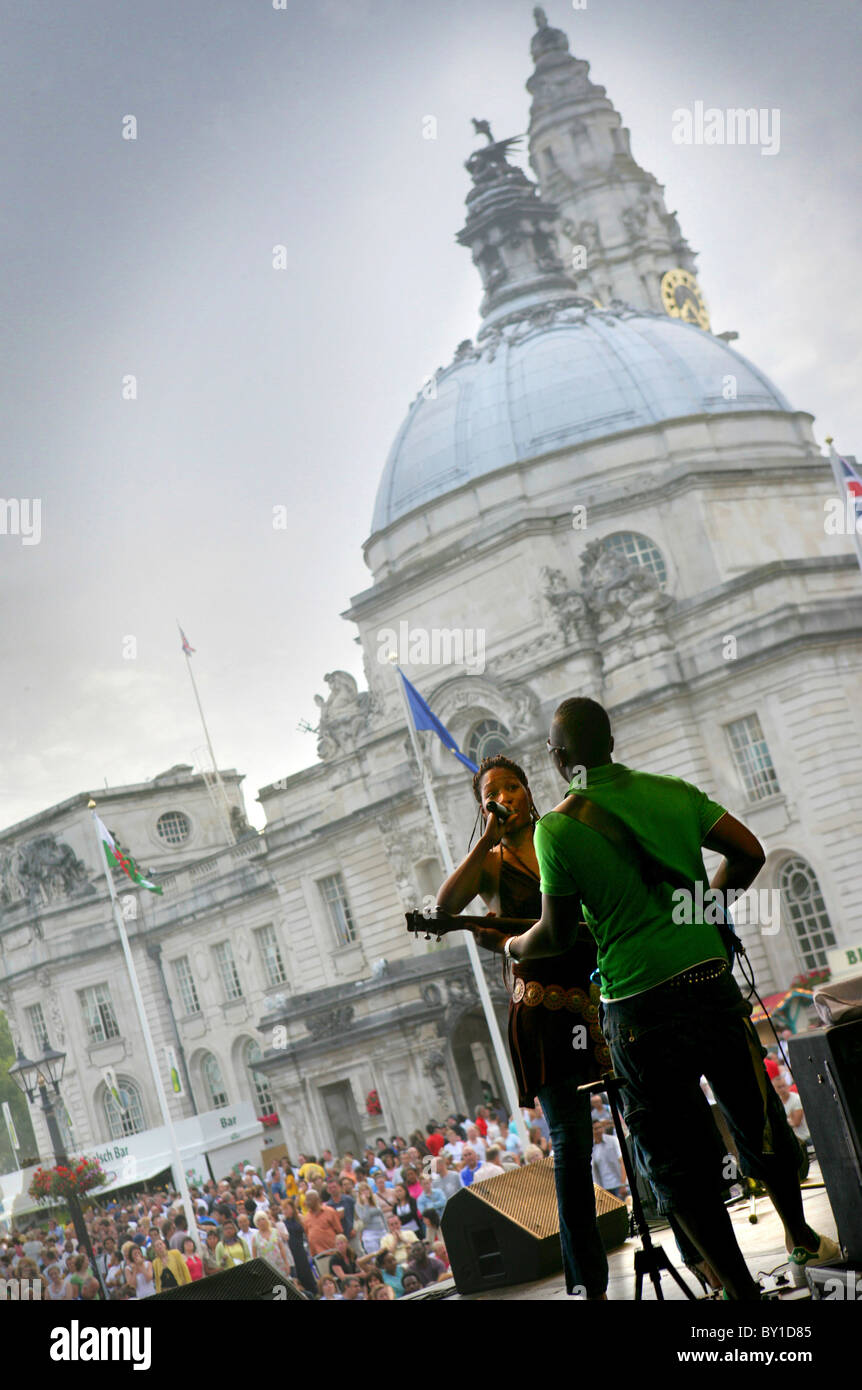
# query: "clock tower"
x,y
616,234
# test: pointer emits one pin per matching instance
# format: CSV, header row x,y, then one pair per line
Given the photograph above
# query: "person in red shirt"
x,y
192,1259
434,1141
481,1121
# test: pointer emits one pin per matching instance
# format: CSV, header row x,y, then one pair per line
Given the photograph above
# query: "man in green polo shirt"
x,y
672,1010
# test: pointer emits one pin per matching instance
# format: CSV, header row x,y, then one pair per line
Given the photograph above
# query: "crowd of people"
x,y
351,1228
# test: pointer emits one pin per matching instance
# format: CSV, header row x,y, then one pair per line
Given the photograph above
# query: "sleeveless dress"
x,y
543,1040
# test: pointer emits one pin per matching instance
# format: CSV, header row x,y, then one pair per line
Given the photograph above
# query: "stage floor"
x,y
762,1244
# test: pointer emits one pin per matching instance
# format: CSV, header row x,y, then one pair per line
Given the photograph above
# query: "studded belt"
x,y
554,997
698,974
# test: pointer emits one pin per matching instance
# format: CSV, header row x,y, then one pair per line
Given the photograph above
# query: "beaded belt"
x,y
699,974
554,997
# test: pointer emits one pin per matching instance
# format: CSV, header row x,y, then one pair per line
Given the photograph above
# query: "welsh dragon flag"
x,y
115,856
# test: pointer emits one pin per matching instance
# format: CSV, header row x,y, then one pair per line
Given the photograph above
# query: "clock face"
x,y
682,299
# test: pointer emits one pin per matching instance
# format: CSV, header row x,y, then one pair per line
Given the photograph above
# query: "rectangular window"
x,y
98,1010
270,956
333,893
228,971
751,755
186,986
38,1028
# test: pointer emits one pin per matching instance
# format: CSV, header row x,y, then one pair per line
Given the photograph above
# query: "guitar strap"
x,y
653,870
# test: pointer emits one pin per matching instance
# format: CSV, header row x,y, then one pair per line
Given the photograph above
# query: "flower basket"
x,y
268,1119
811,979
67,1180
372,1104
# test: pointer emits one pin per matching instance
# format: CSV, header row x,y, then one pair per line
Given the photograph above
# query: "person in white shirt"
x,y
475,1141
600,1111
509,1139
793,1110
608,1171
453,1147
491,1168
445,1180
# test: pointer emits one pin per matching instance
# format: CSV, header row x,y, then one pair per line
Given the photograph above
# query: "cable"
x,y
748,975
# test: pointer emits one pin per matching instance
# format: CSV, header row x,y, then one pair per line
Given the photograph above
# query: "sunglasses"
x,y
553,748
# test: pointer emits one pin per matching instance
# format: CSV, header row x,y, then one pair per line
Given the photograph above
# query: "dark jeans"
x,y
661,1043
570,1122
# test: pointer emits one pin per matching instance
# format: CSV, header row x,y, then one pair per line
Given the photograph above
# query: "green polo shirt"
x,y
639,943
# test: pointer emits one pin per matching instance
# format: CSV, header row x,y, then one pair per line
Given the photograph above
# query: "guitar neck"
x,y
444,922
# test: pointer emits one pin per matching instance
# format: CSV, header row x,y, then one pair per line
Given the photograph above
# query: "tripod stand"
x,y
650,1259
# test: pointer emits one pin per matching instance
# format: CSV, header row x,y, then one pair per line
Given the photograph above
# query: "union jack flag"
x,y
187,647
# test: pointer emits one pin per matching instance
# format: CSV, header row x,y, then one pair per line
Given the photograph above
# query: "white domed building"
x,y
597,496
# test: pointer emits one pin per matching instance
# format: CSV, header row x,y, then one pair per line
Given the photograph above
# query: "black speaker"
x,y
506,1230
257,1281
827,1069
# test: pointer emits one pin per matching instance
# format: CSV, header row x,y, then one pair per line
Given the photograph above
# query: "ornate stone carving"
x,y
331,1022
584,234
344,715
55,1015
623,597
239,824
635,218
523,708
564,607
405,846
432,995
466,351
42,870
461,989
434,1067
528,651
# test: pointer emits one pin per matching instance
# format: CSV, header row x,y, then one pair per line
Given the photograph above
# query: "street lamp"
x,y
30,1077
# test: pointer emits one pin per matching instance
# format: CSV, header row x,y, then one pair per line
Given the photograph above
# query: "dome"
x,y
561,377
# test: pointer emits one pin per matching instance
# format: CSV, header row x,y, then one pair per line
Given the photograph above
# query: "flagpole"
x,y
844,493
179,1170
221,797
503,1062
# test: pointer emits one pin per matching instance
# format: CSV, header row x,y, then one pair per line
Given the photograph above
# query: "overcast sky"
x,y
258,388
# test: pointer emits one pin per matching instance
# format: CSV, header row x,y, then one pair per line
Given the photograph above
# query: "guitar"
x,y
439,923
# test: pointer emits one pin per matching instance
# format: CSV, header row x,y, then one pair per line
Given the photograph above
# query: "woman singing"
x,y
554,1038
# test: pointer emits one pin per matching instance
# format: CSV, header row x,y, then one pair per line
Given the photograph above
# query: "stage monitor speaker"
x,y
506,1230
827,1068
257,1281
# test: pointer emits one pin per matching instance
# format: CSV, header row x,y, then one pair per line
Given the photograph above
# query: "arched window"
x,y
640,550
803,901
128,1116
487,738
258,1081
214,1082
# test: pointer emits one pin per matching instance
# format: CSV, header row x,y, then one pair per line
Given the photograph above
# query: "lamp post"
x,y
30,1077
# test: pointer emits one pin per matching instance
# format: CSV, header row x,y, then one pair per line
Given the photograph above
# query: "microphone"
x,y
499,811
